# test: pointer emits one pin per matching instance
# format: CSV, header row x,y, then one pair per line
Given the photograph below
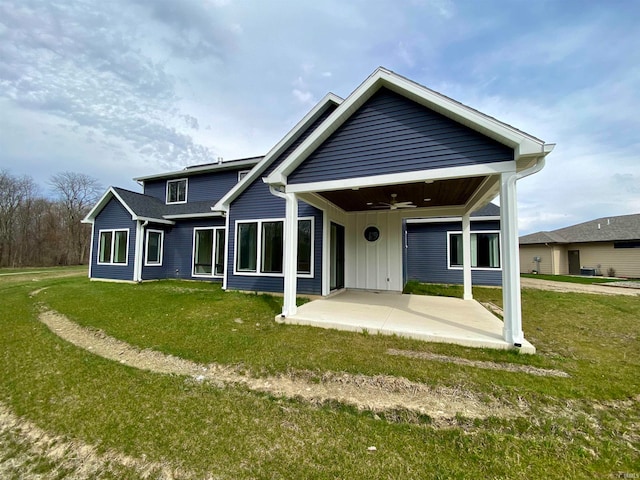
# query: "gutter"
x,y
540,162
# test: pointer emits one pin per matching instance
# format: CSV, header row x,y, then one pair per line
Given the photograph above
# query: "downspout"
x,y
137,274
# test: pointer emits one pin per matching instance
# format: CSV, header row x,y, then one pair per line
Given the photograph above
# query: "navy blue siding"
x,y
178,250
391,134
206,186
426,254
113,216
257,202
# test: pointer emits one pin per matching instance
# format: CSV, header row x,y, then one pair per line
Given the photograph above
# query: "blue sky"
x,y
125,88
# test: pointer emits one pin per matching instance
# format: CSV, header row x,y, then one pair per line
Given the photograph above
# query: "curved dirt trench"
x,y
375,393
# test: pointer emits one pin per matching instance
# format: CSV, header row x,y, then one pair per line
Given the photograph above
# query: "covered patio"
x,y
434,319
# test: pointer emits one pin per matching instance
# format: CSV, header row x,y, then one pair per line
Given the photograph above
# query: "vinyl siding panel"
x,y
177,258
426,254
113,216
546,254
391,134
257,202
202,187
625,261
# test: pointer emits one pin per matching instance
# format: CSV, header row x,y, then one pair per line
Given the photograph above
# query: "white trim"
x,y
137,254
242,174
112,247
258,272
225,165
93,225
186,190
214,245
451,219
276,151
146,248
154,220
403,177
104,200
467,279
523,143
487,269
225,276
192,215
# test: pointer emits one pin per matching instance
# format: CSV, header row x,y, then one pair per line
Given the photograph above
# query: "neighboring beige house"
x,y
606,246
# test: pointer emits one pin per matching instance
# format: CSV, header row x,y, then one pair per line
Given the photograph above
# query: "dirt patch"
x,y
506,367
374,393
601,289
27,452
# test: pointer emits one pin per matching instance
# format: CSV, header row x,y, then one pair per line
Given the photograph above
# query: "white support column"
x,y
512,330
466,256
290,260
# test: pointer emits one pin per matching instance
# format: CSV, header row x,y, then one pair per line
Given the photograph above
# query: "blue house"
x,y
390,184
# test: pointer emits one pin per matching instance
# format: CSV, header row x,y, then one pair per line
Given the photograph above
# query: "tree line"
x,y
37,230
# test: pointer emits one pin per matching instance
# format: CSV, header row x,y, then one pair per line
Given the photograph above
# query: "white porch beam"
x,y
512,304
466,256
290,263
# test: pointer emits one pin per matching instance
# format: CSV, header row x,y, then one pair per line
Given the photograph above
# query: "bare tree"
x,y
76,194
15,194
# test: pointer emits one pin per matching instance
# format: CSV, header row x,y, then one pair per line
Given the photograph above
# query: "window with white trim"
x,y
153,253
260,247
242,174
485,250
113,247
177,191
208,251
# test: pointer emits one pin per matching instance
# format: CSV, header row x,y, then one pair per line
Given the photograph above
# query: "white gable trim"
x,y
278,149
108,195
522,143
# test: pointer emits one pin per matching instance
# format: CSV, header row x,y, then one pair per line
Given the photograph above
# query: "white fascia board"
x,y
110,193
523,143
404,177
451,219
154,220
278,149
193,215
230,164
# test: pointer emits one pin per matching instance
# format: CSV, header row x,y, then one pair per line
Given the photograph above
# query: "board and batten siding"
x,y
256,203
177,258
426,254
113,216
391,134
206,186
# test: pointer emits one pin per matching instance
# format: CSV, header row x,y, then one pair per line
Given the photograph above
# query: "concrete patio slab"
x,y
434,319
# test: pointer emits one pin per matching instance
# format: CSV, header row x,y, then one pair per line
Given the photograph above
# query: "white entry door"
x,y
374,251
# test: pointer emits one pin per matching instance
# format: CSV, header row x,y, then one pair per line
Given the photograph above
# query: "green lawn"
x,y
584,426
571,278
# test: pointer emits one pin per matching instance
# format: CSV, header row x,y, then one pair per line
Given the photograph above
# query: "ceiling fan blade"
x,y
404,204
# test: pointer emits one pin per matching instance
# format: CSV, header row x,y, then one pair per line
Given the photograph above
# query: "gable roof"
x,y
273,154
605,229
525,146
148,208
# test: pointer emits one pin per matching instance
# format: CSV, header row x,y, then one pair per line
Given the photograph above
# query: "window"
x,y
272,247
305,245
113,247
266,238
177,191
485,250
154,247
242,174
247,240
208,252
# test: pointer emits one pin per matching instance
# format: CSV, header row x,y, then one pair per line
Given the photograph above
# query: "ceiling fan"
x,y
394,204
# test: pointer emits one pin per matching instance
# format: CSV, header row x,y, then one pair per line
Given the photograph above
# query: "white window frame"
x,y
242,174
487,269
258,272
111,252
160,248
186,190
214,248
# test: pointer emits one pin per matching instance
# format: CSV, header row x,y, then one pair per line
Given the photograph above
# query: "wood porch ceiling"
x,y
441,193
